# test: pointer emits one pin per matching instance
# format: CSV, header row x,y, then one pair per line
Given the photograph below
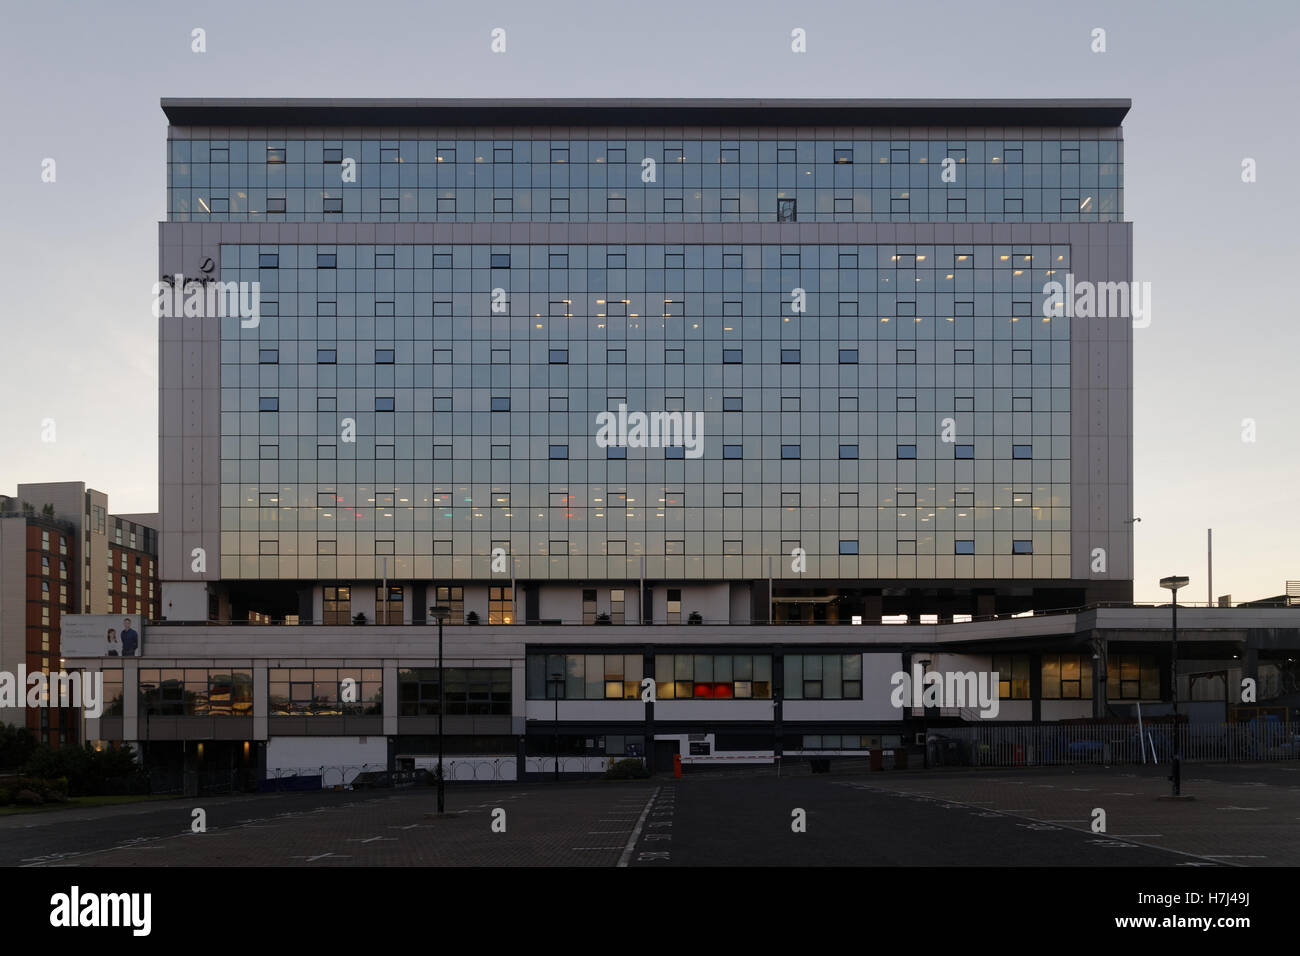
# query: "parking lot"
x,y
1242,815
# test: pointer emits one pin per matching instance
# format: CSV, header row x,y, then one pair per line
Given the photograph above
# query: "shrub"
x,y
17,744
32,791
629,768
85,771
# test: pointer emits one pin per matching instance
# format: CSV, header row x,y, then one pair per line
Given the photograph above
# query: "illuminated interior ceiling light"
x,y
1084,205
203,204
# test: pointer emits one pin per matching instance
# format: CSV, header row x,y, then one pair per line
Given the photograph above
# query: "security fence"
x,y
1040,745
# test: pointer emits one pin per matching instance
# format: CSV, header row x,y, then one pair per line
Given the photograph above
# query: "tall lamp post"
x,y
1173,583
441,614
925,717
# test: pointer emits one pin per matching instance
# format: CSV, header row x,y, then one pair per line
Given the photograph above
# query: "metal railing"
x,y
1106,744
559,622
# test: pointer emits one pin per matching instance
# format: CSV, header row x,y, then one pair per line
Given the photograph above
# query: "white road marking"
x,y
631,841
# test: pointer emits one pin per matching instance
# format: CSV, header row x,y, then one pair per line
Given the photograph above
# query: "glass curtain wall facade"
x,y
849,316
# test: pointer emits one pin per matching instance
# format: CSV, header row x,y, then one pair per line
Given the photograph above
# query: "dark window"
x,y
275,154
732,356
733,451
789,356
1022,451
731,403
268,356
331,154
559,356
501,403
1022,547
384,356
789,451
326,260
500,260
906,451
966,546
848,451
268,260
384,404
843,155
560,451
274,204
848,547
614,451
964,451
848,356
326,356
265,404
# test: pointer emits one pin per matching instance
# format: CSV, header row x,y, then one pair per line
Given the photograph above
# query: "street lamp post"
x,y
925,717
441,614
1172,584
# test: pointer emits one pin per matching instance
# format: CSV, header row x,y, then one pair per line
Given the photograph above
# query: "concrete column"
x,y
261,706
390,698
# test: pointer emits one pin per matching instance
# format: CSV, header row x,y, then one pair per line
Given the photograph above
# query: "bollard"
x,y
677,766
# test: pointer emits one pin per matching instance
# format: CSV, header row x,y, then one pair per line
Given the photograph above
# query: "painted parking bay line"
x,y
631,840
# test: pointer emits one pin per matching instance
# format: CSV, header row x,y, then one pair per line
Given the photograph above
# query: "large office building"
x,y
615,382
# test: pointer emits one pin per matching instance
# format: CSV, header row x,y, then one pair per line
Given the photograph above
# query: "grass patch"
x,y
73,803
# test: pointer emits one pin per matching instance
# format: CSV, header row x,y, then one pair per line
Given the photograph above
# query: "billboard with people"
x,y
101,635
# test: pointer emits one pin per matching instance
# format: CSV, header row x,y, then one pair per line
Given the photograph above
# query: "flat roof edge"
x,y
645,112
